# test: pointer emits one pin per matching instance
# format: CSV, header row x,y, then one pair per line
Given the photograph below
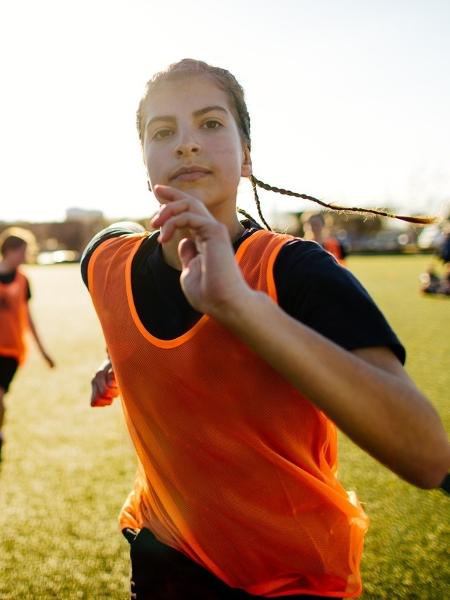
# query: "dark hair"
x,y
229,84
223,78
14,238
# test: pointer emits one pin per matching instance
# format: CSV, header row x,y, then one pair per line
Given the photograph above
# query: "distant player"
x,y
315,229
15,316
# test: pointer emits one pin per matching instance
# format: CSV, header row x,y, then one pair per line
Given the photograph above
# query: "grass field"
x,y
67,468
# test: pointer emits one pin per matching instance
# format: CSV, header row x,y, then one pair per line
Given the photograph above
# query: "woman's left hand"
x,y
211,279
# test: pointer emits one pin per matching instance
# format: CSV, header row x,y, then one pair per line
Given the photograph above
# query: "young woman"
x,y
15,314
237,352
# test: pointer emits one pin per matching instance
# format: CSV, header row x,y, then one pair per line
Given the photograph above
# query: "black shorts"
x,y
159,572
8,368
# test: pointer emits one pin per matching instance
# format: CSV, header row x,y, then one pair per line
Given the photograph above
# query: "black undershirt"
x,y
311,286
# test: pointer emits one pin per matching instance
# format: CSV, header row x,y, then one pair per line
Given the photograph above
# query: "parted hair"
x,y
235,92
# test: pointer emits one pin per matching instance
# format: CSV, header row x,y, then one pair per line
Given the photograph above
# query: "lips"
x,y
190,173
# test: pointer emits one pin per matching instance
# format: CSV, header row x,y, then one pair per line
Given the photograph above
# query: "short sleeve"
x,y
314,289
114,230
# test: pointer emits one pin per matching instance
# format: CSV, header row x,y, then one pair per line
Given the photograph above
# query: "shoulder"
x,y
115,230
25,283
304,270
313,288
307,263
306,259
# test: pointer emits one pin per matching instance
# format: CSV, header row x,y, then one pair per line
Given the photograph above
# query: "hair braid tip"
x,y
420,220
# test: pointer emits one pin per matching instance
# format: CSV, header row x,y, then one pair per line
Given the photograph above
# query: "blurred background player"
x,y
315,228
15,316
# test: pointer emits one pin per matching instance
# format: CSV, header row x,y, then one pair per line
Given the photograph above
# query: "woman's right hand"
x,y
104,386
210,279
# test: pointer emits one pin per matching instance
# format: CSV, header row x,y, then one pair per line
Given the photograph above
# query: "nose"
x,y
187,145
185,149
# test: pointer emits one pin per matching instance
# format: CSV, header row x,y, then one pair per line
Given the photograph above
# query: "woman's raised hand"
x,y
211,279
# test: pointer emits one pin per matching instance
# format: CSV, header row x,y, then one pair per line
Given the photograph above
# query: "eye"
x,y
212,124
162,133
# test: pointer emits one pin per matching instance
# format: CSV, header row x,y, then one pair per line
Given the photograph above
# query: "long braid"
x,y
265,186
258,203
244,213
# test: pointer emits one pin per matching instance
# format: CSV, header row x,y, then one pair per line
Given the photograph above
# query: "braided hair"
x,y
373,211
229,84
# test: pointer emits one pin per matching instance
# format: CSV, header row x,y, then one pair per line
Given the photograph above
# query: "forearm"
x,y
35,334
381,410
372,400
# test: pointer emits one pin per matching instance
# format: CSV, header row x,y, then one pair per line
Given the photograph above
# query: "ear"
x,y
246,168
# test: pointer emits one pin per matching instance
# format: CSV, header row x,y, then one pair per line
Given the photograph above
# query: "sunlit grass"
x,y
67,468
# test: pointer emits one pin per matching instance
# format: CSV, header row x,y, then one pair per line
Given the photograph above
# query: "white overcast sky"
x,y
349,99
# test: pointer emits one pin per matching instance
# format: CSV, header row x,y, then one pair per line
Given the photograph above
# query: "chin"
x,y
210,198
193,189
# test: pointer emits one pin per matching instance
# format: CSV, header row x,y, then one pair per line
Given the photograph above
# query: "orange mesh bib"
x,y
237,469
13,317
332,246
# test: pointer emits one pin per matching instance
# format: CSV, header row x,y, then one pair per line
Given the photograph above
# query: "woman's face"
x,y
191,141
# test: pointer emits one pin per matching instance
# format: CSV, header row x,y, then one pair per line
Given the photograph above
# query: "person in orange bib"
x,y
315,229
237,352
15,314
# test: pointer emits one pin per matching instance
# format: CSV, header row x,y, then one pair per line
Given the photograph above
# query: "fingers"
x,y
202,226
180,210
111,380
104,387
168,211
186,251
168,194
98,399
174,201
95,394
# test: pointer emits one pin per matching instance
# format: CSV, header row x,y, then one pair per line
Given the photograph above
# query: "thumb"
x,y
165,193
186,251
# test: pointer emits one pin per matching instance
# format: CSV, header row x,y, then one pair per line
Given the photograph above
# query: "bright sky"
x,y
349,100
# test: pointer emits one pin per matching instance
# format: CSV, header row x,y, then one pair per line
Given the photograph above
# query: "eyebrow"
x,y
196,113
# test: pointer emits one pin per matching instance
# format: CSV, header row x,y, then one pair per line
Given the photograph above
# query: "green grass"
x,y
67,468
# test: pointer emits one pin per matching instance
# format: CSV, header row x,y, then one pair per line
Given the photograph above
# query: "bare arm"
x,y
366,393
36,337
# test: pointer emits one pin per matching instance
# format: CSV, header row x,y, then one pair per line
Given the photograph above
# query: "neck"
x,y
170,249
6,267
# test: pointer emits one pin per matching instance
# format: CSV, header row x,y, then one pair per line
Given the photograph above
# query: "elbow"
x,y
430,474
429,481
